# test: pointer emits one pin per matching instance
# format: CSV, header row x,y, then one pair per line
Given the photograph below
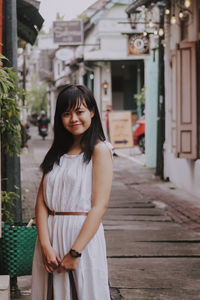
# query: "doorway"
x,y
127,80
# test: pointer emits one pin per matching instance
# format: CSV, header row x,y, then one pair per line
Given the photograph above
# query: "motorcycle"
x,y
43,131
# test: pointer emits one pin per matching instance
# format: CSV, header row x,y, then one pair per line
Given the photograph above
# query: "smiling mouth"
x,y
75,125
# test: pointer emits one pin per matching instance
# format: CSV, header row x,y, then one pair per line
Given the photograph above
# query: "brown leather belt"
x,y
67,213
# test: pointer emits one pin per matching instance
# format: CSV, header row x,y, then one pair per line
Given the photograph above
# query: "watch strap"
x,y
74,253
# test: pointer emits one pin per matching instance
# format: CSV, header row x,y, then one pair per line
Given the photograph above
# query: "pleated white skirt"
x,y
91,275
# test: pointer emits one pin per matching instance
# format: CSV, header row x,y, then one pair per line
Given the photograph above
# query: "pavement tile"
x,y
156,273
159,294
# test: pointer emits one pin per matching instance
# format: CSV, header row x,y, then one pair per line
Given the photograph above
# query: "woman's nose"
x,y
74,117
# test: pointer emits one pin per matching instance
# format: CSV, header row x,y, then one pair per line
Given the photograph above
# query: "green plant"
x,y
140,99
84,17
5,83
10,112
8,199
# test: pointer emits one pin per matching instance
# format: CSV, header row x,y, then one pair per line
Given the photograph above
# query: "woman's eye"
x,y
66,114
80,111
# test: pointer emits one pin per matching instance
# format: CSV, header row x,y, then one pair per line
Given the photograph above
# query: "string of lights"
x,y
176,12
184,10
175,16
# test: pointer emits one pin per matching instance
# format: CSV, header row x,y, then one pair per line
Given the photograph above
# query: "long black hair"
x,y
70,98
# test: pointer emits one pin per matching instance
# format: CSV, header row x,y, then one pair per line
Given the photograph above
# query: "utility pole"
x,y
161,101
10,169
11,164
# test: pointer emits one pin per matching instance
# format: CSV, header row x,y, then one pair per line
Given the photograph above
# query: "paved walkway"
x,y
133,154
152,230
153,237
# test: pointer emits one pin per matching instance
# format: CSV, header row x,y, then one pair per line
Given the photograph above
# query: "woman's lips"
x,y
75,125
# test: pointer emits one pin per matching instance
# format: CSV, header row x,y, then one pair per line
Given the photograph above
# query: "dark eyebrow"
x,y
79,108
68,111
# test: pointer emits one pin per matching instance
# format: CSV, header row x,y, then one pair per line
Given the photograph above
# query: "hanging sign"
x,y
64,54
68,32
138,44
120,128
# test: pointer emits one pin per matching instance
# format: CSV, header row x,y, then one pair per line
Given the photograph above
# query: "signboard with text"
x,y
68,32
120,128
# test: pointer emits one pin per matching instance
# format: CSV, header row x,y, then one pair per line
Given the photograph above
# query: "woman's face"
x,y
77,121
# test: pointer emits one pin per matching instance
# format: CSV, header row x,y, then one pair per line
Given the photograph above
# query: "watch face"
x,y
74,253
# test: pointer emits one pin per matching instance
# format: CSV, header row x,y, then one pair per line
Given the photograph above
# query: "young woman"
x,y
72,198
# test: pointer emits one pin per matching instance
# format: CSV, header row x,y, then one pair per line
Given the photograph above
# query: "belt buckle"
x,y
53,212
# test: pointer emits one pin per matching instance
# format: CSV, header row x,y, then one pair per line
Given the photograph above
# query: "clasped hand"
x,y
52,261
68,263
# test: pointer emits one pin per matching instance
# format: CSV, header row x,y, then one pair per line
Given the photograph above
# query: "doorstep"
x,y
4,287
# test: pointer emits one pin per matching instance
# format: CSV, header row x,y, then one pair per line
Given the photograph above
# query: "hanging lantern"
x,y
151,24
181,15
187,3
167,11
161,32
173,20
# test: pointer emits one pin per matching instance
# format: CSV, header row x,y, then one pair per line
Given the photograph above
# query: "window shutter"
x,y
186,108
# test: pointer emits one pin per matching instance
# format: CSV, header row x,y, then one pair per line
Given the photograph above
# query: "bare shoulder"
x,y
101,150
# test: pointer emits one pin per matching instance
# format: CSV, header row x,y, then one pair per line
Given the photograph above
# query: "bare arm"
x,y
41,214
50,258
101,186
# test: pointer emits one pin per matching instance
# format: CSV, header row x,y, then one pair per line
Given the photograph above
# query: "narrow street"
x,y
140,60
152,230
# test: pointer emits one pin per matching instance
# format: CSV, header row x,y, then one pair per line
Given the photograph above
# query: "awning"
x,y
29,21
137,3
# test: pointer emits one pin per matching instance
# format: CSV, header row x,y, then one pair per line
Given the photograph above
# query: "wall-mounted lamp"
x,y
105,87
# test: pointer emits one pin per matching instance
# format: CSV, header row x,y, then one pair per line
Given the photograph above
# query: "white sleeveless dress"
x,y
68,188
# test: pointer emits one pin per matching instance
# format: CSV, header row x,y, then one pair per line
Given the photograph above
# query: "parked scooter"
x,y
43,131
43,122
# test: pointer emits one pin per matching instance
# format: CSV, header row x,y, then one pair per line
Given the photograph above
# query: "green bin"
x,y
16,249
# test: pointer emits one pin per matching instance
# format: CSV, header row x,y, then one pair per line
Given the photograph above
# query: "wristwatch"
x,y
74,253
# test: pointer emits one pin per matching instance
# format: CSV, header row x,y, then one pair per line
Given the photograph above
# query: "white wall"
x,y
109,31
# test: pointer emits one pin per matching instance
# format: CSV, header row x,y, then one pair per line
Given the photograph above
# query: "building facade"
x,y
116,61
182,98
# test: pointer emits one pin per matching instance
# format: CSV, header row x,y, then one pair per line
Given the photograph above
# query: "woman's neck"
x,y
77,141
76,146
